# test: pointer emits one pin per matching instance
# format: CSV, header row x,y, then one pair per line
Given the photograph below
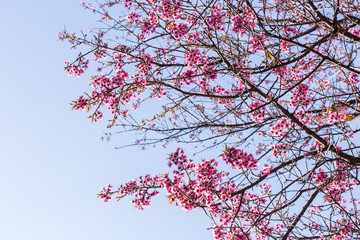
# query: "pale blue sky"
x,y
52,161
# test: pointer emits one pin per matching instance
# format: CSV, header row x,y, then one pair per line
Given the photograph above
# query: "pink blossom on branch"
x,y
273,84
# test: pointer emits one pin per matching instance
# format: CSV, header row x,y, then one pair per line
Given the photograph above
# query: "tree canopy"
x,y
273,83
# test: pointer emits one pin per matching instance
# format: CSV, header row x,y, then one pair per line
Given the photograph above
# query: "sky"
x,y
52,160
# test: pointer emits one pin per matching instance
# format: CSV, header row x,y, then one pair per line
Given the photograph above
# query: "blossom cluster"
x,y
170,9
337,114
239,159
279,149
193,57
300,96
257,42
258,111
321,176
216,18
238,25
78,68
179,30
280,127
81,103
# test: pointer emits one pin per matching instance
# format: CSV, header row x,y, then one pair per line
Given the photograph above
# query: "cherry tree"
x,y
274,84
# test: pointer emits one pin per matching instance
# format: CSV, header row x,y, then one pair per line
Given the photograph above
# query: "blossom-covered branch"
x,y
274,84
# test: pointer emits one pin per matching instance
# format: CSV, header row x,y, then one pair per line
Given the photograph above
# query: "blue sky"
x,y
52,161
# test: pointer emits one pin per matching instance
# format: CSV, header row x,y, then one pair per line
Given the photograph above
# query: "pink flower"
x,y
239,159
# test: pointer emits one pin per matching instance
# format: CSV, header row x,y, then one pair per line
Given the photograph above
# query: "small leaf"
x,y
171,198
348,118
268,54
